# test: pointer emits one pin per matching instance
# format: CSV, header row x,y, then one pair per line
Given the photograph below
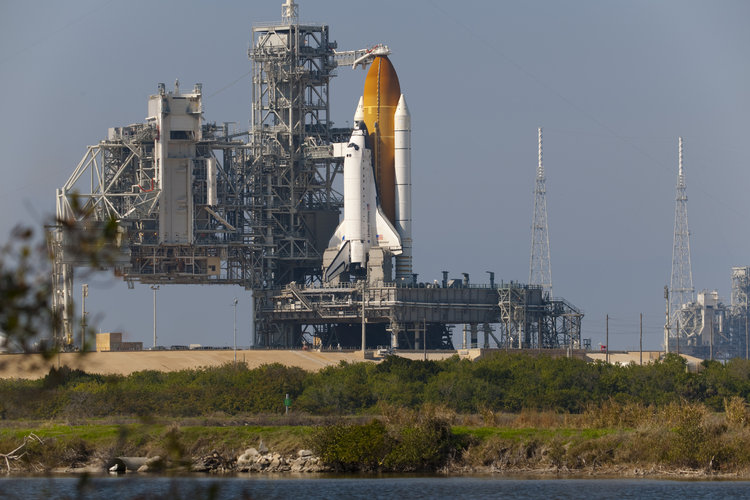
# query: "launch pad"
x,y
199,204
508,316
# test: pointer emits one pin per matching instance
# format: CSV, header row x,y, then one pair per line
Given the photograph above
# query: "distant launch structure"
x,y
540,269
681,284
704,326
197,203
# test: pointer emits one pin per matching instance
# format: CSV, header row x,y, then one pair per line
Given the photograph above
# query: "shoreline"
x,y
304,464
612,473
231,448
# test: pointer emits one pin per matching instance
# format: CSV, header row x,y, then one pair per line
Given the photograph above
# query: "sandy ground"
x,y
625,358
32,366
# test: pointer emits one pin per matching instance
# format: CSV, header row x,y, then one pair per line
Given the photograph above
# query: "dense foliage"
x,y
500,383
419,445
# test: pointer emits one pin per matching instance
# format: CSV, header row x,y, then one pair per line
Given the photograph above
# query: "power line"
x,y
554,92
231,84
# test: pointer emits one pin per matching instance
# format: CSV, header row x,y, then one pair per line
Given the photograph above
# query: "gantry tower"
x,y
540,272
740,290
293,204
681,288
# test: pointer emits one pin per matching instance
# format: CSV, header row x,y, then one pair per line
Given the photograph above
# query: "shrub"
x,y
421,445
689,443
735,411
424,445
613,414
352,447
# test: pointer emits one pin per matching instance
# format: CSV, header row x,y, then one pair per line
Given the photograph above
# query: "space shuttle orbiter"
x,y
377,180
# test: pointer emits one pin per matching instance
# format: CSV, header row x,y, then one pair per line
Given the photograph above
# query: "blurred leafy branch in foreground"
x,y
27,318
25,288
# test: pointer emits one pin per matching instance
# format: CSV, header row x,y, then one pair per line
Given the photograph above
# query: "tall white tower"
x,y
540,271
289,12
681,284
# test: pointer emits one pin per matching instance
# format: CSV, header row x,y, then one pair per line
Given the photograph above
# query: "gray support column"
x,y
395,330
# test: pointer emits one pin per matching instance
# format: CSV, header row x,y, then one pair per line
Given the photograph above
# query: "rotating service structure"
x,y
178,190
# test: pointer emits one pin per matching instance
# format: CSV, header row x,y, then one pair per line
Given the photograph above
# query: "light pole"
x,y
364,307
666,323
154,288
84,294
234,303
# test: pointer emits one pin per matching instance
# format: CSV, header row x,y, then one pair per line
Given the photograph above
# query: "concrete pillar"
x,y
395,329
487,332
464,343
474,335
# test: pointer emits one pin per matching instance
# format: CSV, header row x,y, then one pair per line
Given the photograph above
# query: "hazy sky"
x,y
613,84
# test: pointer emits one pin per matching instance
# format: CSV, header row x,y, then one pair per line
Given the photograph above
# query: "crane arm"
x,y
360,57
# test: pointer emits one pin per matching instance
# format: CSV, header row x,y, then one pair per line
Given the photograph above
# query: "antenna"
x,y
681,284
540,271
289,12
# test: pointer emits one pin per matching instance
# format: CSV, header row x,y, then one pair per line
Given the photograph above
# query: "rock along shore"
x,y
253,460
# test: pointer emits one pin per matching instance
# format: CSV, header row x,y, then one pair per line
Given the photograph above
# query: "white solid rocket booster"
x,y
402,165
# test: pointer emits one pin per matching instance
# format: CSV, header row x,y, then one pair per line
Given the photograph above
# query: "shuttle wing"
x,y
387,235
338,236
339,263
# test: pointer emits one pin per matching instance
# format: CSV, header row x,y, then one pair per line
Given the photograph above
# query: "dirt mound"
x,y
32,366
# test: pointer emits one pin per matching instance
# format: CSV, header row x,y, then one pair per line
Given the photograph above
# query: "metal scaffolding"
x,y
529,319
683,320
404,317
196,204
715,330
540,269
739,319
122,178
294,206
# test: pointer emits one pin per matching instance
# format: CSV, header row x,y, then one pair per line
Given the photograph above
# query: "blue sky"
x,y
612,83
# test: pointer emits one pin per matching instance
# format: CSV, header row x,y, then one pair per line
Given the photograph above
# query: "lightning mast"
x,y
540,271
681,284
289,12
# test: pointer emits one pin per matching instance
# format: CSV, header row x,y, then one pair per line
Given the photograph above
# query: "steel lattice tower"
x,y
540,272
293,204
681,284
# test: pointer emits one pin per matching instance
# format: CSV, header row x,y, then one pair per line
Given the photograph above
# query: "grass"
x,y
105,440
283,439
94,432
679,436
78,444
483,433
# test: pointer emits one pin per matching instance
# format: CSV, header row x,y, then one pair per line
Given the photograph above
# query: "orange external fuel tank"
x,y
380,99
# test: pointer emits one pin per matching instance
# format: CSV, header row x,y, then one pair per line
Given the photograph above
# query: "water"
x,y
129,487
